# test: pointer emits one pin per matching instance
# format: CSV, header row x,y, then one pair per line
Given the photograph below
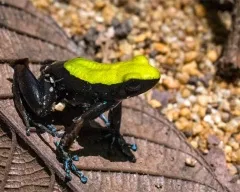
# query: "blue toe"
x,y
68,176
56,143
84,179
75,158
134,147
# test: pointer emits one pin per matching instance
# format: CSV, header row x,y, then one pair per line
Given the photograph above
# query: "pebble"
x,y
217,118
190,162
228,149
202,112
170,83
99,19
202,100
192,98
186,93
212,55
232,125
234,144
198,128
225,106
200,10
125,47
195,108
141,37
43,4
183,123
161,48
191,69
232,169
190,56
108,13
201,90
237,137
183,77
99,4
123,29
195,117
194,143
173,115
225,117
222,125
190,43
155,103
187,103
178,124
208,119
185,112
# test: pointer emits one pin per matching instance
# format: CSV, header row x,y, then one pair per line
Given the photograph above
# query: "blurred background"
x,y
184,39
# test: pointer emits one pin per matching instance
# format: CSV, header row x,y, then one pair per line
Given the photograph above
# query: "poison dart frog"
x,y
94,87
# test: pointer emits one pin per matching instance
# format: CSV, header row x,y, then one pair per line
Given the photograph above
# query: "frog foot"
x,y
48,128
67,160
116,139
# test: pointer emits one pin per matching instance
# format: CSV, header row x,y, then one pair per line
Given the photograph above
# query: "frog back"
x,y
109,74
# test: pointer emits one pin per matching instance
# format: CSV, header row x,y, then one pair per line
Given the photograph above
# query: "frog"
x,y
93,87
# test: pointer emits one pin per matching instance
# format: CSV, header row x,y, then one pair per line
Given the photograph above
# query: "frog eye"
x,y
133,86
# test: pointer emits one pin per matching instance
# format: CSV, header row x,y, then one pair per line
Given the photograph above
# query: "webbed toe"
x,y
67,160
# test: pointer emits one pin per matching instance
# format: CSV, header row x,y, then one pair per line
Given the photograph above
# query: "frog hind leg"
x,y
19,102
23,76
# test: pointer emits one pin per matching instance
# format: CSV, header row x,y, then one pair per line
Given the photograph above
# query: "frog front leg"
x,y
63,146
115,115
30,93
116,139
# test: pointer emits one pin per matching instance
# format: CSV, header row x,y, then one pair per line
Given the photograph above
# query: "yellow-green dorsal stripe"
x,y
108,74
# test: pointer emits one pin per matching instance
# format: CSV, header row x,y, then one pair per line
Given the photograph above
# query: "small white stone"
x,y
179,98
208,119
99,19
226,93
217,118
228,149
195,117
214,111
60,106
165,29
221,125
201,90
192,98
110,32
203,100
234,123
187,103
190,162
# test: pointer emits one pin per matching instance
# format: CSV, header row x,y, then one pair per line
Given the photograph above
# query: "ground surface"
x,y
165,161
